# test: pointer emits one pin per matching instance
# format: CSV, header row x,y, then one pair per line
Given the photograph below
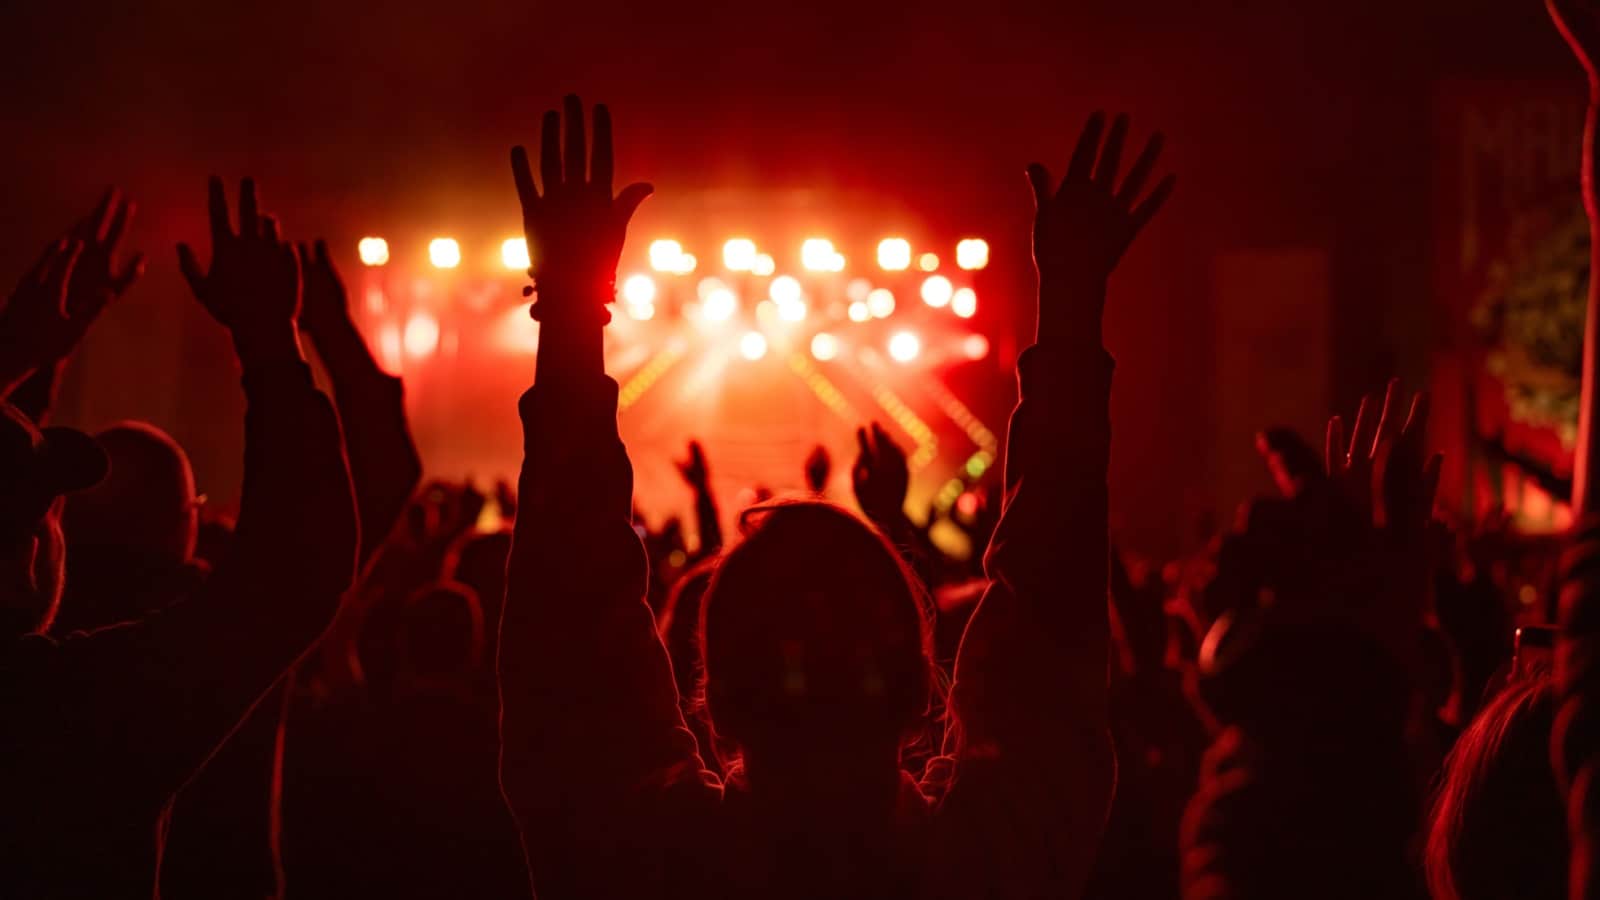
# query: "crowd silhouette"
x,y
352,691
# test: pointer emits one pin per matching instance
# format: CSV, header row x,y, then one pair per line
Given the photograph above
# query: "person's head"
x,y
146,508
36,469
1499,822
431,640
478,560
815,638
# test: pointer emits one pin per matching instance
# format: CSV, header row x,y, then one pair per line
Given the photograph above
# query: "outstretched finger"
x,y
217,205
1039,179
522,174
1105,173
577,156
1333,447
1088,142
190,267
118,224
601,168
865,446
61,271
1140,173
93,229
550,150
1366,428
1152,204
1417,418
249,214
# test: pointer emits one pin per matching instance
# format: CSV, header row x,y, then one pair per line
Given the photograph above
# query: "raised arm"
x,y
708,524
384,465
157,695
590,727
1030,683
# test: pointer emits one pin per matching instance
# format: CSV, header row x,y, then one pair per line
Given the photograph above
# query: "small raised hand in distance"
x,y
252,287
819,465
694,471
35,326
97,279
881,477
1400,500
1083,225
574,226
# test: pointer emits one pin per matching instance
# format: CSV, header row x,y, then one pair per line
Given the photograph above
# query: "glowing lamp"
x,y
936,291
894,254
880,303
374,251
739,255
664,255
753,345
444,253
964,303
817,255
972,253
514,253
904,346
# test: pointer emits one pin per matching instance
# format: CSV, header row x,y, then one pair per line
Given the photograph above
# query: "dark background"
x,y
1291,125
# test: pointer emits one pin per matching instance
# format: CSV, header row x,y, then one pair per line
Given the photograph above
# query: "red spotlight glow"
x,y
964,303
967,504
905,346
664,255
894,254
739,254
975,346
936,291
817,255
972,253
422,334
880,303
374,251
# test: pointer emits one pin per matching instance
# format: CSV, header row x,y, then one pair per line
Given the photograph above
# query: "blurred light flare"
x,y
639,289
753,345
905,346
894,254
817,255
422,334
859,312
763,265
937,291
928,262
374,251
964,302
514,254
444,253
739,255
972,253
857,290
719,305
784,289
824,346
664,255
880,303
975,346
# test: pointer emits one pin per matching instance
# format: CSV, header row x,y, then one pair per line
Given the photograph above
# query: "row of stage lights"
x,y
738,255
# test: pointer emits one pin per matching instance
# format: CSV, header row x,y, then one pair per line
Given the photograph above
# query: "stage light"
x,y
967,504
928,262
792,311
817,255
972,253
880,303
374,251
376,301
894,254
739,254
975,346
753,345
719,305
824,346
422,334
784,289
514,253
639,289
904,346
936,291
763,265
836,263
641,312
707,285
859,312
664,255
389,345
444,253
685,264
857,290
964,302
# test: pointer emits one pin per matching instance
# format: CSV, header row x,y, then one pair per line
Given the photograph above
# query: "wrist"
x,y
264,345
1071,307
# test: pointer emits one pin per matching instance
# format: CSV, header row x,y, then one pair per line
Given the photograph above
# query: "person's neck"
x,y
862,783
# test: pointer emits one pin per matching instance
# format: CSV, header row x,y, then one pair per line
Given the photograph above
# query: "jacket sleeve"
x,y
591,736
140,706
1030,688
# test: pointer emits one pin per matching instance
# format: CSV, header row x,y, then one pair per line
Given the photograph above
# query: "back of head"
x,y
430,641
145,508
814,632
1499,822
478,561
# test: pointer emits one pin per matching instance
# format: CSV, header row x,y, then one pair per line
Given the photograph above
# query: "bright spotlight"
x,y
719,305
928,262
972,253
936,291
894,254
422,334
975,346
817,254
706,286
444,253
857,290
685,264
739,254
792,311
753,345
639,289
880,303
664,255
641,312
904,346
836,263
964,302
514,253
374,251
824,346
763,265
784,289
859,312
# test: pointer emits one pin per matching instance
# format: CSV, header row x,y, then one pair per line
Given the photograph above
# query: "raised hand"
x,y
693,469
326,306
97,279
1082,227
818,467
1403,502
574,227
880,476
36,327
253,285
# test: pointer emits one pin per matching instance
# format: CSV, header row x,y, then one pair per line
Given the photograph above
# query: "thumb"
x,y
630,198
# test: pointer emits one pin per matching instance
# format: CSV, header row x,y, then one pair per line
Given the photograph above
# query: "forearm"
x,y
35,396
707,522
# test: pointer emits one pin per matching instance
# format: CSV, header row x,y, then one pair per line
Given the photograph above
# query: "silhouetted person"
x,y
818,665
